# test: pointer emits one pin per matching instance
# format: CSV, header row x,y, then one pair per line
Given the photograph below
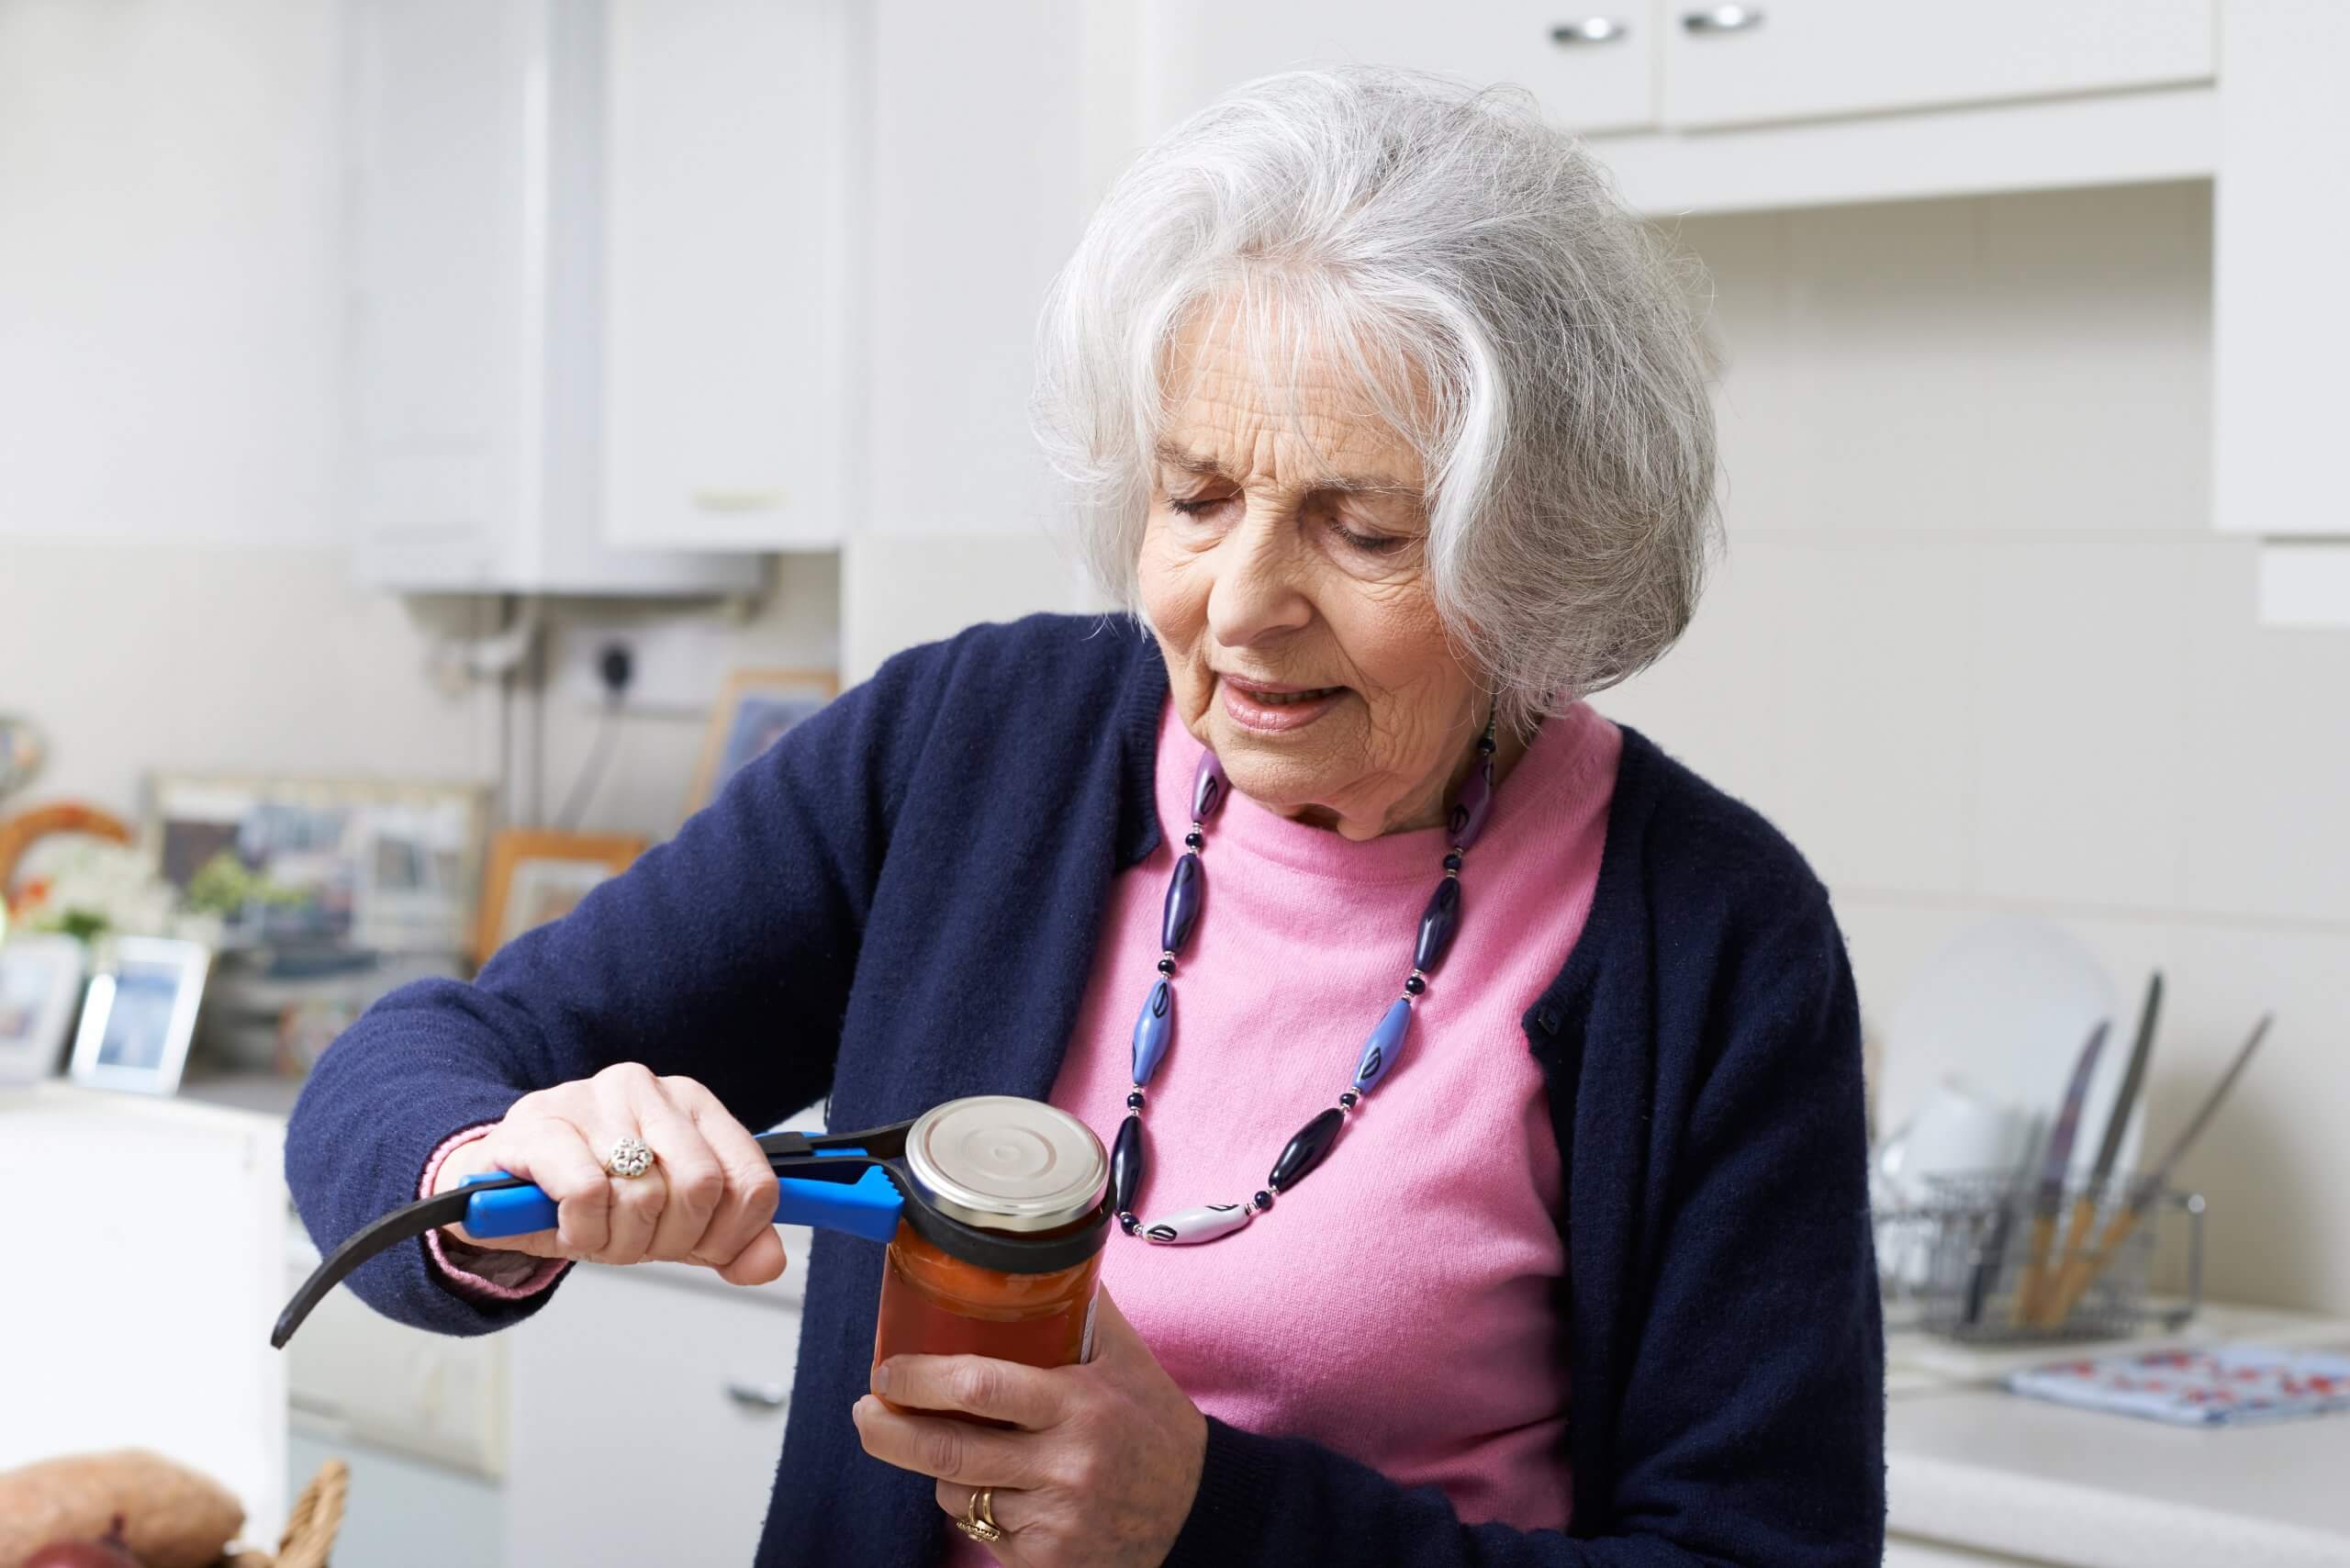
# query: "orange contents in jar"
x,y
934,1303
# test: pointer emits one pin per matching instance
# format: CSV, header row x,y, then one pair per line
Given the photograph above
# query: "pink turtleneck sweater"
x,y
1398,1304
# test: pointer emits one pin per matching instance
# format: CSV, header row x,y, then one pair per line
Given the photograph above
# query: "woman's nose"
x,y
1256,597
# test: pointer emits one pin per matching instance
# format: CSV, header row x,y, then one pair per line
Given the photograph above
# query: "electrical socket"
x,y
676,663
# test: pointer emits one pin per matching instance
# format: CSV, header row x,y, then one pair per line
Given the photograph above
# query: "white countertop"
x,y
1972,1465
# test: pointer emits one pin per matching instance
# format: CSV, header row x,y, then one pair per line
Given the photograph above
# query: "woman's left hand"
x,y
1101,1471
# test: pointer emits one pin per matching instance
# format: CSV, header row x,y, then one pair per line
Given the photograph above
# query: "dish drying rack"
x,y
1955,1262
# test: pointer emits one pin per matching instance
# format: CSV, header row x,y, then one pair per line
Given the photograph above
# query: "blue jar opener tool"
x,y
852,1181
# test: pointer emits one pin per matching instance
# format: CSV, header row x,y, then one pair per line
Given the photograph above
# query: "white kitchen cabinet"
x,y
730,230
2278,218
147,1261
476,291
1591,62
1780,60
648,1412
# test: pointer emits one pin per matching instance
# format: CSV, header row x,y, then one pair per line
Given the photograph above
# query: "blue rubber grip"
x,y
868,1206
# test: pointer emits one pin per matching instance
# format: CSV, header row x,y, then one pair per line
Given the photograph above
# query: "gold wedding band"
x,y
978,1516
629,1157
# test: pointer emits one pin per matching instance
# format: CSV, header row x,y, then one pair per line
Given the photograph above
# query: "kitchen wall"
x,y
175,583
1977,649
173,587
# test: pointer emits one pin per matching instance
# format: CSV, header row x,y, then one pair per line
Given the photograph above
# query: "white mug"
x,y
1955,1132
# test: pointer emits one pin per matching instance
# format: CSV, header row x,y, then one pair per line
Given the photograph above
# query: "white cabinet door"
x,y
1591,62
1779,60
647,1417
145,1263
440,281
729,236
2278,350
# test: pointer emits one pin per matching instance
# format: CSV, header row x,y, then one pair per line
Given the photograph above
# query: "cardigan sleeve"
x,y
724,955
1751,1425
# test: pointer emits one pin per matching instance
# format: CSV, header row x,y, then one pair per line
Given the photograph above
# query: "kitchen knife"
x,y
2149,1187
2051,1177
2071,1260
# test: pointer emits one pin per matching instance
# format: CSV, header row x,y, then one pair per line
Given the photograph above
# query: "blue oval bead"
x,y
1469,808
1154,1026
1182,905
1385,1044
1208,787
1437,923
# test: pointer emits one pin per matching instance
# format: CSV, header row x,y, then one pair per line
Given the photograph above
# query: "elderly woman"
x,y
1392,431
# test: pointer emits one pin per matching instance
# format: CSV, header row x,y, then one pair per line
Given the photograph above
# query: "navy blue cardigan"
x,y
898,905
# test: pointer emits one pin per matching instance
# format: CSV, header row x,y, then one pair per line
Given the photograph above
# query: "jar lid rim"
x,y
1006,1163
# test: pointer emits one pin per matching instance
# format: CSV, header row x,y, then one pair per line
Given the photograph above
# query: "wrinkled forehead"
x,y
1274,386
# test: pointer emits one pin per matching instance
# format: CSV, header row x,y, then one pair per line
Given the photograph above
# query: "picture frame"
x,y
41,988
537,875
373,865
754,709
139,1015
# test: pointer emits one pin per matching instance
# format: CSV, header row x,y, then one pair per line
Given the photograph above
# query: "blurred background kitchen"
x,y
440,438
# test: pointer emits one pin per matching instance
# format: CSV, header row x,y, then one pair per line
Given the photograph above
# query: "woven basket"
x,y
311,1529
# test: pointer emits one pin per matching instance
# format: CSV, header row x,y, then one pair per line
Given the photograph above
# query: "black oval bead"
x,y
1349,1099
1134,1101
1194,841
1166,965
1452,861
1182,905
1125,1165
1306,1151
1262,1201
1128,1223
1437,923
1414,985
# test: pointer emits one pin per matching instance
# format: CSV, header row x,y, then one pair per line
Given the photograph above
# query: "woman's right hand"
x,y
709,1198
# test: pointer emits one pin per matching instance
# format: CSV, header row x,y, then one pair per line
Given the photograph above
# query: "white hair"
x,y
1528,336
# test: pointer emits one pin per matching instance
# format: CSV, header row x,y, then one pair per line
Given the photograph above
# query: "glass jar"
x,y
1000,1247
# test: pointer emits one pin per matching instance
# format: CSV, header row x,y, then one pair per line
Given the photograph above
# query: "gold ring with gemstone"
x,y
629,1157
978,1516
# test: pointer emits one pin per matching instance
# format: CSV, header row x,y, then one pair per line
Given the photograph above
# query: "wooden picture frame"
x,y
536,875
753,710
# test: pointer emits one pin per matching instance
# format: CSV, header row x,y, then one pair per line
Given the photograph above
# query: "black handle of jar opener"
x,y
855,1182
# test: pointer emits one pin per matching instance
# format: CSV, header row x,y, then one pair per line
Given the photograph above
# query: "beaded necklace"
x,y
1155,1027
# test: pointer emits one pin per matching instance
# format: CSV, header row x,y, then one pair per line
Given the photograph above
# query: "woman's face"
x,y
1284,569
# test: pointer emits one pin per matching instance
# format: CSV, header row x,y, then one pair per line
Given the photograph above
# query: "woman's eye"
x,y
1369,543
1195,506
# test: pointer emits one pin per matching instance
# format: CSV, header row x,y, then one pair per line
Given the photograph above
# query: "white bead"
x,y
1202,1223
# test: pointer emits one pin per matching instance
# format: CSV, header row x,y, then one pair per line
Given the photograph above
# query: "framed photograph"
x,y
139,1015
537,875
752,713
322,863
41,985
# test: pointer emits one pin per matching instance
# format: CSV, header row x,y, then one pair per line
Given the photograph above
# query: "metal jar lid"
x,y
1005,1163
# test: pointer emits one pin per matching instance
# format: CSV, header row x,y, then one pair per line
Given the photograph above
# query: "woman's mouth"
x,y
1272,709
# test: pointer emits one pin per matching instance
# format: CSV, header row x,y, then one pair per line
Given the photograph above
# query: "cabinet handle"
x,y
737,500
1722,20
1591,30
758,1395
